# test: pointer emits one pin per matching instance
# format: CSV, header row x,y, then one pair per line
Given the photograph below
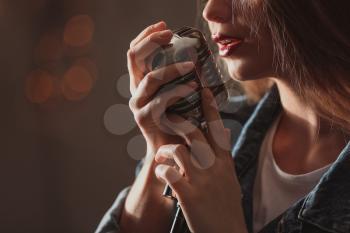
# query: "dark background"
x,y
60,167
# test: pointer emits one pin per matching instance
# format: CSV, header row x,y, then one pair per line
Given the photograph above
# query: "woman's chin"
x,y
238,70
248,69
242,75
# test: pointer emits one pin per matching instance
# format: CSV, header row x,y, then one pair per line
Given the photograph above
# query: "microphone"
x,y
189,44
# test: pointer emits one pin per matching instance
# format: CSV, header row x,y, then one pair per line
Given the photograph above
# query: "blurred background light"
x,y
77,83
136,147
123,86
119,120
39,86
78,31
49,48
89,65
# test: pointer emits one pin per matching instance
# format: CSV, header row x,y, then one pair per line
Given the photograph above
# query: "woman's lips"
x,y
227,44
228,49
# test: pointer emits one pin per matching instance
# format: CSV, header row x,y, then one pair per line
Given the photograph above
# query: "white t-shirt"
x,y
274,189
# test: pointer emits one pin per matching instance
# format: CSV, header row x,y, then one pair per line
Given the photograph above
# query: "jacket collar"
x,y
328,204
246,149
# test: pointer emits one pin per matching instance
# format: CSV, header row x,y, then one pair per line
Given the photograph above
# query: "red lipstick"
x,y
227,44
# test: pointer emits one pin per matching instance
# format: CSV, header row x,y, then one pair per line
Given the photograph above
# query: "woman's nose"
x,y
218,11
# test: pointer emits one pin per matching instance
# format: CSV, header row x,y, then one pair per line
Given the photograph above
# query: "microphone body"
x,y
189,44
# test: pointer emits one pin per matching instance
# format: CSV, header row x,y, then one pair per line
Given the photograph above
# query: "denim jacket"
x,y
324,209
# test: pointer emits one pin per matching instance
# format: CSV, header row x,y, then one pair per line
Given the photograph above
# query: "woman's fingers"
x,y
150,29
171,176
148,45
203,156
135,68
149,85
217,135
156,107
176,155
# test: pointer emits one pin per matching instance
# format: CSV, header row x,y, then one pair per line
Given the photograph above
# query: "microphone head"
x,y
189,44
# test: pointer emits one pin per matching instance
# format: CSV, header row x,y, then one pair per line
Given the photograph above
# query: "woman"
x,y
291,163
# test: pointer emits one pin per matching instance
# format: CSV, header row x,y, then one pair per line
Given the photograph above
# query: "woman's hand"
x,y
205,182
144,206
144,83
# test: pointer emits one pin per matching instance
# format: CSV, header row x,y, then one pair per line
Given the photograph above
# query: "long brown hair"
x,y
311,41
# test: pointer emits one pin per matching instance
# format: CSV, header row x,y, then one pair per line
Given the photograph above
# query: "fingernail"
x,y
159,24
165,34
170,176
187,65
157,158
158,170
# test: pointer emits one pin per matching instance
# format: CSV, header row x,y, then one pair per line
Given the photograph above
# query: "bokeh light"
x,y
118,119
49,48
39,86
77,83
78,31
123,86
89,65
78,79
137,147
